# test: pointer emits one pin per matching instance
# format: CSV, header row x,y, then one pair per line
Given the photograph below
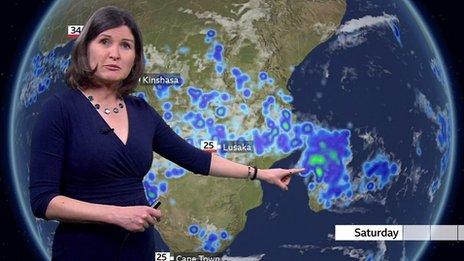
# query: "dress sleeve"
x,y
47,153
174,148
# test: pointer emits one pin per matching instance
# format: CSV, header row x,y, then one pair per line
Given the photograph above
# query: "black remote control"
x,y
156,204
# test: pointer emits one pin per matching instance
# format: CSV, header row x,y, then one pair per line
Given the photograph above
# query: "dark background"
x,y
20,18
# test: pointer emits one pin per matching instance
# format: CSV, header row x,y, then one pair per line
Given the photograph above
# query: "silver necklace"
x,y
106,110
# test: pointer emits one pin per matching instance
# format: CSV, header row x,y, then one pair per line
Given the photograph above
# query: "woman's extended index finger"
x,y
295,171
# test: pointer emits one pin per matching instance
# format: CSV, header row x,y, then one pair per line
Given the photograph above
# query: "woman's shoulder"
x,y
56,99
62,95
54,110
60,102
137,102
142,105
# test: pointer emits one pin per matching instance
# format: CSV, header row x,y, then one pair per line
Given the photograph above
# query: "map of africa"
x,y
330,86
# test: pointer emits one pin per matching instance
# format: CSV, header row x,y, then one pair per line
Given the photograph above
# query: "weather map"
x,y
354,92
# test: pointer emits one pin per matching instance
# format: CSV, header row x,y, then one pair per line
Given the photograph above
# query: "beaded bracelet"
x,y
249,172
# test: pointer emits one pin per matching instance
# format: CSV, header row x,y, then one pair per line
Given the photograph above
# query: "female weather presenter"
x,y
93,143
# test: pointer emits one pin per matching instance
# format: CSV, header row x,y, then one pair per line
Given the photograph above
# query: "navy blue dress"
x,y
73,154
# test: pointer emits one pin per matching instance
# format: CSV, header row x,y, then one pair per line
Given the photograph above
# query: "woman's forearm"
x,y
66,209
131,218
221,167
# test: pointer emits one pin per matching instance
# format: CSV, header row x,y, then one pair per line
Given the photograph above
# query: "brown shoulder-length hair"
x,y
79,74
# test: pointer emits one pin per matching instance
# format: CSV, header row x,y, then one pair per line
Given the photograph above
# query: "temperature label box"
x,y
209,145
163,256
74,30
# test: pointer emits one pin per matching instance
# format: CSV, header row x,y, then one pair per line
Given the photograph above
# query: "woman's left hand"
x,y
278,177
